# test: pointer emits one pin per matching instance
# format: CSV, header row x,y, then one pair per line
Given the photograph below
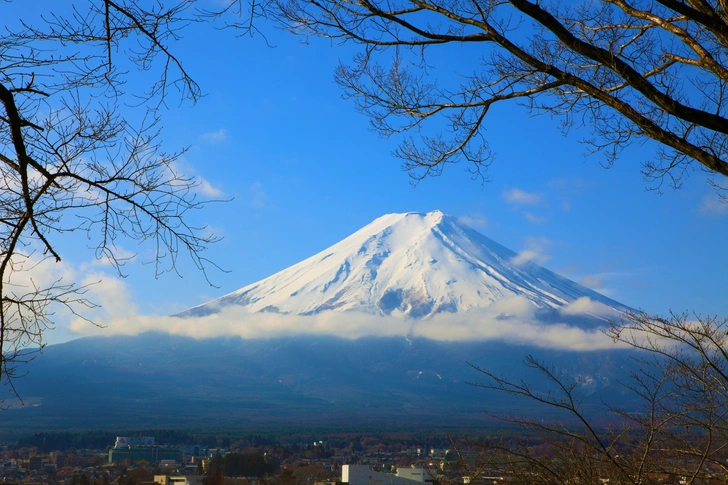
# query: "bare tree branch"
x,y
630,70
70,161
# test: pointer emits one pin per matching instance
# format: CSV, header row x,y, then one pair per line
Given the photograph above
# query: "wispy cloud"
x,y
564,183
558,183
474,220
33,271
565,188
712,204
521,197
592,282
535,251
534,219
203,186
259,197
98,296
215,137
122,255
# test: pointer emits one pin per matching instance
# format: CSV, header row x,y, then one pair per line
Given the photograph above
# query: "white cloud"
x,y
535,251
234,321
521,197
112,299
203,186
586,306
712,204
215,137
529,332
75,292
511,320
35,271
474,220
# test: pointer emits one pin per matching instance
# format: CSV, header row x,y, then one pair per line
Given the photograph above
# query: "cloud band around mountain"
x,y
514,320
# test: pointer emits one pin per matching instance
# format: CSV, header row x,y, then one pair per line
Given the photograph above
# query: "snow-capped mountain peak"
x,y
410,265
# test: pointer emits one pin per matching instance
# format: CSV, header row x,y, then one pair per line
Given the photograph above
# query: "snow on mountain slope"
x,y
414,265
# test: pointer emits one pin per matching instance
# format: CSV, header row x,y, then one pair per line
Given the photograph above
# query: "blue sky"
x,y
302,170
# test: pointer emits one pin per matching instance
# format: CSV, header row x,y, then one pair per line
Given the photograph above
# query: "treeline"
x,y
64,441
233,441
242,465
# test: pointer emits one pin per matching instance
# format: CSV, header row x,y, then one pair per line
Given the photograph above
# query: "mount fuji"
x,y
445,295
411,265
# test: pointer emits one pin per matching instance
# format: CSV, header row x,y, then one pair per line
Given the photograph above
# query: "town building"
x,y
363,475
142,448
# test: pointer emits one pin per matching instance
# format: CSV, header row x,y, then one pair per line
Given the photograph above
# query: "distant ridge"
x,y
406,265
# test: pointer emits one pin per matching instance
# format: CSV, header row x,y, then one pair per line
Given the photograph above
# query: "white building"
x,y
363,475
